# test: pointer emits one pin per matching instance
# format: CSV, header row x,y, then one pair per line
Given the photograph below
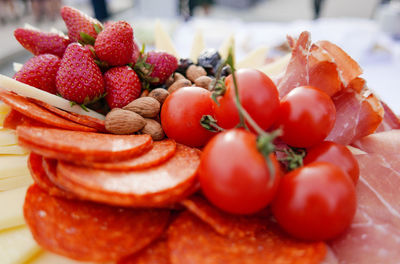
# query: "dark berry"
x,y
183,65
209,60
226,70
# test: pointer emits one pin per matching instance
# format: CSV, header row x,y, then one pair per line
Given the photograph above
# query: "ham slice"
x,y
383,143
390,120
358,113
374,236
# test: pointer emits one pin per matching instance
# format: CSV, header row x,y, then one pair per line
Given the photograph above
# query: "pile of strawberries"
x,y
95,61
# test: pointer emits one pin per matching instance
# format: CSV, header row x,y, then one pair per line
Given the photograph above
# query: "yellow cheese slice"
x,y
277,67
17,246
17,66
4,108
11,214
23,89
15,182
50,258
225,46
11,166
163,41
254,59
12,150
198,45
8,137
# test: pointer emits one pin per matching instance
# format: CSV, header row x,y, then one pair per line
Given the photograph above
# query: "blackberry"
x,y
209,60
183,65
226,70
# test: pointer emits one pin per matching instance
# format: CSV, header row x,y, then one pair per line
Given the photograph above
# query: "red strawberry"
x,y
135,53
79,79
114,44
40,72
39,42
78,22
164,64
122,86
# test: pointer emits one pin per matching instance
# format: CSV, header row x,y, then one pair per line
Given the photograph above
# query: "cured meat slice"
x,y
192,241
15,118
223,223
156,186
358,113
79,146
384,143
31,110
84,120
390,120
88,231
161,152
39,175
156,253
374,236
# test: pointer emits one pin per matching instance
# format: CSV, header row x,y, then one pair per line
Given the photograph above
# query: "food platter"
x,y
146,198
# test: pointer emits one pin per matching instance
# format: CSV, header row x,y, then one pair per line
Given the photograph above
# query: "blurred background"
x,y
369,30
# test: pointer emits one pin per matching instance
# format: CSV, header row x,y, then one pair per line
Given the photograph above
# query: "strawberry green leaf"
x,y
98,28
86,38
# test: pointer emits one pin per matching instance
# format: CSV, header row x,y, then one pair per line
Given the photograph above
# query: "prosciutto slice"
x,y
374,236
390,120
384,143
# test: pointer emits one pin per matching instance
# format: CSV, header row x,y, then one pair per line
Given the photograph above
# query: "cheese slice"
x,y
198,45
23,89
17,66
8,137
4,108
12,166
11,214
356,151
50,258
226,45
17,246
13,150
15,182
254,59
277,67
163,41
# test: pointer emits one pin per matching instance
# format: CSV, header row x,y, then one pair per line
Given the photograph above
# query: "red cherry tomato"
x,y
234,175
181,114
258,95
336,154
315,202
306,116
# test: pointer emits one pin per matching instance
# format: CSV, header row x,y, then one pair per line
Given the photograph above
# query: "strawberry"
x,y
79,79
135,53
114,44
122,86
81,27
155,67
40,72
39,42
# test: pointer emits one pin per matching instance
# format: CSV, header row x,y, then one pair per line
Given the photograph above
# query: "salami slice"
x,y
31,110
88,231
39,175
161,152
158,186
192,241
15,118
80,146
156,253
88,121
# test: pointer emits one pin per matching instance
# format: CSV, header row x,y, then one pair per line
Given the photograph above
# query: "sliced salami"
x,y
88,231
163,185
31,110
82,146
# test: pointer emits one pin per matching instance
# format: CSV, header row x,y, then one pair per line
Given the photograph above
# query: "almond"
x,y
170,80
178,76
154,129
203,81
121,122
159,94
144,106
179,84
194,72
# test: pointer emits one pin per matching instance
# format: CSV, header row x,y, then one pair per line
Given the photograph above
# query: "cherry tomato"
x,y
306,116
336,154
234,175
181,114
315,202
258,95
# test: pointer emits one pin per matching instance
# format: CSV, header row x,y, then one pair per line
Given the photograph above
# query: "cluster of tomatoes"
x,y
315,201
